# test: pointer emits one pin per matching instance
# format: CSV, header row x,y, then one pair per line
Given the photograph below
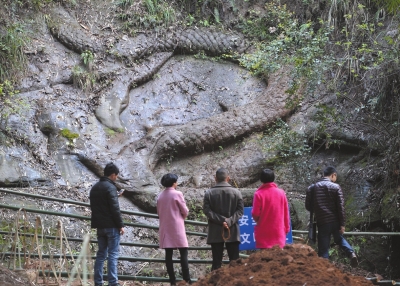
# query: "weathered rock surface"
x,y
163,112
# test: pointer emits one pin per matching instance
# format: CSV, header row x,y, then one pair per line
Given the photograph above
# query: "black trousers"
x,y
217,250
184,264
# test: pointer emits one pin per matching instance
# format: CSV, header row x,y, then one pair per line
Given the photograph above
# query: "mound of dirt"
x,y
294,265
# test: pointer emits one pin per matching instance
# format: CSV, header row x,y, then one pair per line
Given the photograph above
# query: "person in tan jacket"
x,y
223,206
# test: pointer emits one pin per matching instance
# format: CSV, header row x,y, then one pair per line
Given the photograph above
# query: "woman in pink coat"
x,y
271,212
172,211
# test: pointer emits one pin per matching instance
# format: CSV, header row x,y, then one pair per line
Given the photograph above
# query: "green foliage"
x,y
40,3
12,57
204,23
352,47
196,212
110,132
10,102
149,14
286,151
161,14
83,79
26,4
392,6
267,25
281,140
216,15
190,20
124,3
365,51
325,115
358,243
147,271
288,43
87,57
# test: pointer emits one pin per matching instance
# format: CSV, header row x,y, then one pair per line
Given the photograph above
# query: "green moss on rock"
x,y
66,133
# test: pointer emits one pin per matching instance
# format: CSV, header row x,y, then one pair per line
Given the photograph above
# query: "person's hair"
x,y
168,180
110,169
221,174
329,171
267,176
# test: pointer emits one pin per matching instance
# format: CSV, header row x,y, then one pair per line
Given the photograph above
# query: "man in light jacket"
x,y
223,206
106,217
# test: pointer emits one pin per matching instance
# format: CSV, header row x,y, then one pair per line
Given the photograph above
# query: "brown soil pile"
x,y
294,265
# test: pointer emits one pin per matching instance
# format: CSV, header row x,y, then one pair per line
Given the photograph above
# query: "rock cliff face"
x,y
147,104
167,105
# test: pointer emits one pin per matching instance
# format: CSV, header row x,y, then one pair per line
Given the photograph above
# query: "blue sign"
x,y
247,239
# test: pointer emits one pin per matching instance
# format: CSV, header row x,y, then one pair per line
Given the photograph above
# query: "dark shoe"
x,y
353,260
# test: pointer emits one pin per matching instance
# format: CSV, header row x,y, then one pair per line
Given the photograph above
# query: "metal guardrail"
x,y
122,258
120,277
190,222
356,233
95,241
67,201
88,218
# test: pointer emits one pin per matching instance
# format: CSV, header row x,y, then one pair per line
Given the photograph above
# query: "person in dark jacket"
x,y
106,217
328,207
223,206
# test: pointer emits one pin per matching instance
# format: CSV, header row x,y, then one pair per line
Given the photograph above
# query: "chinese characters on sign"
x,y
247,239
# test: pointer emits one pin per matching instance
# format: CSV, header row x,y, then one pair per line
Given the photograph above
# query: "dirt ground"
x,y
296,264
293,265
12,278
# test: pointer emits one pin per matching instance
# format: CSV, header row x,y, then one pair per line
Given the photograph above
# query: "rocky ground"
x,y
11,278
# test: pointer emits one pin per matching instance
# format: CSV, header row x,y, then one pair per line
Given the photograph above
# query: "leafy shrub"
x,y
87,57
283,141
83,79
10,102
12,57
149,14
288,42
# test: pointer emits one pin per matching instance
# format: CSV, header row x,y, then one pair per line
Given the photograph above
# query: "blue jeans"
x,y
108,241
324,239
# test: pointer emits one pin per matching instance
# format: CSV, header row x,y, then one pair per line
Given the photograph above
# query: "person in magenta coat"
x,y
172,211
270,212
